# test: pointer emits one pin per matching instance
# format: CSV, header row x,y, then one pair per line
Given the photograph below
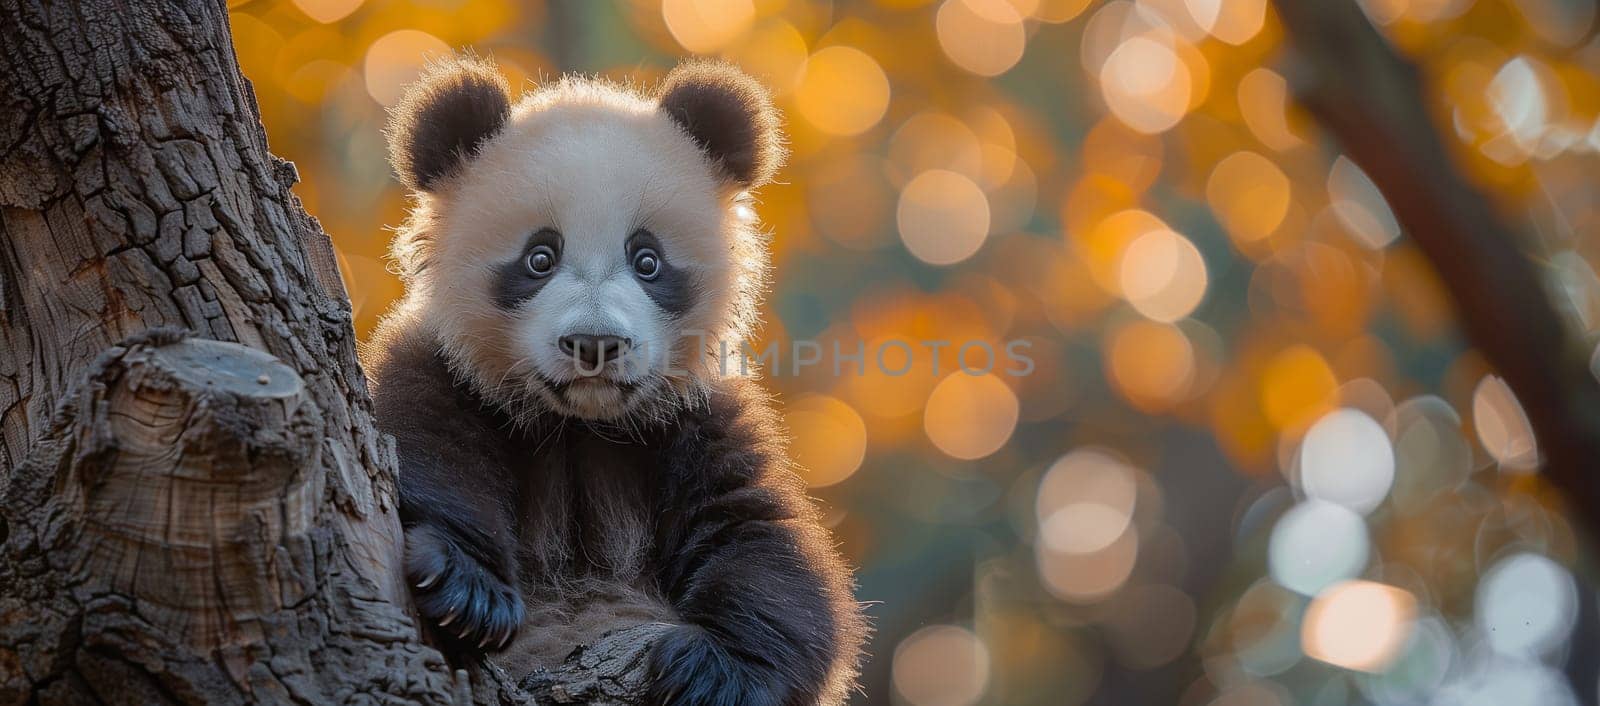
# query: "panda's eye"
x,y
541,261
646,263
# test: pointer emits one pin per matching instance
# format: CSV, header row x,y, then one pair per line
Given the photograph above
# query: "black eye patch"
x,y
672,288
514,284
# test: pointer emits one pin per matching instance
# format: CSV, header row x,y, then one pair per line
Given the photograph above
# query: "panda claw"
x,y
423,584
448,618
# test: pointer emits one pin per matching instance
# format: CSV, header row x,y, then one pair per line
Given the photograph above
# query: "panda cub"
x,y
572,459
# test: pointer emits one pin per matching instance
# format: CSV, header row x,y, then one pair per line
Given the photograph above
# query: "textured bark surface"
x,y
194,504
609,673
164,545
1371,99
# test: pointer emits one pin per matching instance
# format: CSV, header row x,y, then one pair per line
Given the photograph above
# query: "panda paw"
x,y
468,607
688,668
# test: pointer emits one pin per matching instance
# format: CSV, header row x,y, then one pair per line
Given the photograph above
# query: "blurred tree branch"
x,y
1372,100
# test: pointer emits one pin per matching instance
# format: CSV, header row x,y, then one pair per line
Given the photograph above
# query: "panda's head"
x,y
585,249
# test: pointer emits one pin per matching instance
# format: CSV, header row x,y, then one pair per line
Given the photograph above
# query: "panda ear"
x,y
729,115
444,118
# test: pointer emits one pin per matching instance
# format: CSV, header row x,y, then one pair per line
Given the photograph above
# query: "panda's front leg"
x,y
761,628
460,549
768,618
470,604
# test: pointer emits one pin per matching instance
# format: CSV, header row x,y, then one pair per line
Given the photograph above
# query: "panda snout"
x,y
593,351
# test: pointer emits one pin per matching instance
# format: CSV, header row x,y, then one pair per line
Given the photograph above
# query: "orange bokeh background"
x,y
1253,461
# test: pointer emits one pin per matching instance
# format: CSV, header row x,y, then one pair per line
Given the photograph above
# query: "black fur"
x,y
729,115
513,283
673,289
444,118
700,512
458,514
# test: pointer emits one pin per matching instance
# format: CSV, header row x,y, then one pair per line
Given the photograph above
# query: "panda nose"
x,y
593,350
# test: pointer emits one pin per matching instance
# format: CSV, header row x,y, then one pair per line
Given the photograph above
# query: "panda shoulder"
x,y
738,421
405,367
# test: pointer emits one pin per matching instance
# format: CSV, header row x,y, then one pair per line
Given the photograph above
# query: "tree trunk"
x,y
194,503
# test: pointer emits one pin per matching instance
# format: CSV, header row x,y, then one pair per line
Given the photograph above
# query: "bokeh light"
x,y
1232,21
1261,629
1088,578
985,37
1264,105
1316,544
1432,455
829,439
1502,426
704,26
1418,670
1526,605
1358,625
941,665
1163,276
1356,201
1518,95
1297,387
936,140
1249,194
1104,244
1153,365
1085,501
970,416
943,217
775,52
1346,458
844,91
1509,683
1146,84
326,11
396,59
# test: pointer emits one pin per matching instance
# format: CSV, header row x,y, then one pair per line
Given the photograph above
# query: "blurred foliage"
x,y
1254,464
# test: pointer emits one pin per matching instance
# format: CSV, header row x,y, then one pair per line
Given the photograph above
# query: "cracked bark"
x,y
194,504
